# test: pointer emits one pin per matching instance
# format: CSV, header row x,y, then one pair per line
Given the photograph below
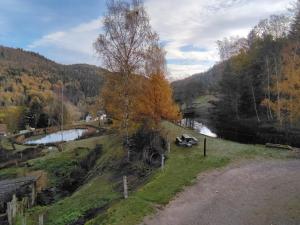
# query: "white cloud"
x,y
179,71
195,23
201,23
74,45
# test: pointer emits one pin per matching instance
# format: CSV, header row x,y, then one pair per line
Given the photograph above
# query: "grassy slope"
x,y
182,167
97,193
204,99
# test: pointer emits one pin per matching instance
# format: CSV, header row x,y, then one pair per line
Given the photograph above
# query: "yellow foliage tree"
x,y
287,104
150,97
156,102
115,100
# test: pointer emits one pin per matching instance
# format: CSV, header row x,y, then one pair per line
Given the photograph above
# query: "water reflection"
x,y
66,135
200,127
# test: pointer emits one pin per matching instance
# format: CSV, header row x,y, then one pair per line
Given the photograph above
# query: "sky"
x,y
64,30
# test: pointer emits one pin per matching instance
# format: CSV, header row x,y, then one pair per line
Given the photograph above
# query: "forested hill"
x,y
257,83
24,73
186,90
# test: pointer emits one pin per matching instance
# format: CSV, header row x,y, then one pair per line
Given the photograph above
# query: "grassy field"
x,y
182,167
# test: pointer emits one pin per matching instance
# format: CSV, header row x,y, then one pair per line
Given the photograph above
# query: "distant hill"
x,y
23,73
190,88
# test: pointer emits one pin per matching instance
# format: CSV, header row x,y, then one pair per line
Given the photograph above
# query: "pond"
x,y
60,136
200,127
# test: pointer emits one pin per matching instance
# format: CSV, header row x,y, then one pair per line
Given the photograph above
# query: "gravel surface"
x,y
252,193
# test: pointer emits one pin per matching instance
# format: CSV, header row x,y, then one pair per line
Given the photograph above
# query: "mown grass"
x,y
182,167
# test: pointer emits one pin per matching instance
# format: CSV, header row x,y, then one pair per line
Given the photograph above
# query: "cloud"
x,y
74,45
189,30
199,24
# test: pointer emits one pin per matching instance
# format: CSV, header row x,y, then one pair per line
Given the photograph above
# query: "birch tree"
x,y
126,38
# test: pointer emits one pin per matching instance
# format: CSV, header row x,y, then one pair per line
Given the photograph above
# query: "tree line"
x,y
261,77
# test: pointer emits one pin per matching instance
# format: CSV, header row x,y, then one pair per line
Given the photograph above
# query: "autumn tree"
x,y
122,47
287,107
112,98
156,102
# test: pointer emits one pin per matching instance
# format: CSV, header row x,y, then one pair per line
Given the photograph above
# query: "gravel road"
x,y
251,193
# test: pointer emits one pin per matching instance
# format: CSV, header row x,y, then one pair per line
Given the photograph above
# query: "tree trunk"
x,y
278,93
269,91
254,103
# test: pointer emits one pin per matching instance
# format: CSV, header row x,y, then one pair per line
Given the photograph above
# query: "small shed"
x,y
3,129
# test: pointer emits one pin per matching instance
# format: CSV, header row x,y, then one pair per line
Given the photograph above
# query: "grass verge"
x,y
182,167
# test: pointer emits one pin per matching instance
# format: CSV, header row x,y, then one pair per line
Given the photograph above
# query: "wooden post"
x,y
11,210
33,193
24,222
204,147
9,213
162,161
41,219
14,206
125,187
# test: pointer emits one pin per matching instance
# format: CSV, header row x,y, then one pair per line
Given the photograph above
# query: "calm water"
x,y
66,135
202,129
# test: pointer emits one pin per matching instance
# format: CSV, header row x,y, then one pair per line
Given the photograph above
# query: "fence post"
x,y
9,213
204,147
41,219
24,222
33,193
14,203
125,187
162,161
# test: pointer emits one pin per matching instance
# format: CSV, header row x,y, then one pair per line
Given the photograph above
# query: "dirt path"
x,y
255,193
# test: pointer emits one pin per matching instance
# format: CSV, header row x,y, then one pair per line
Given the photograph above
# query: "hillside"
x,y
29,81
190,88
17,64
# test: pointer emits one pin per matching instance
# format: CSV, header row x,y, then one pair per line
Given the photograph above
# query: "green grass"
x,y
83,143
182,167
204,99
59,164
13,172
95,194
